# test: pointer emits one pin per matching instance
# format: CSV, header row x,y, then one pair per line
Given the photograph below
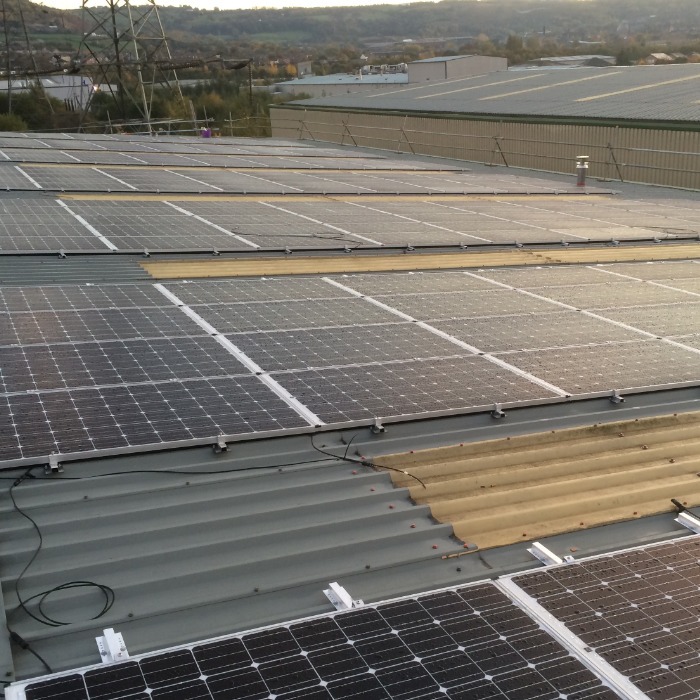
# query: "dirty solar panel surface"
x,y
637,609
468,644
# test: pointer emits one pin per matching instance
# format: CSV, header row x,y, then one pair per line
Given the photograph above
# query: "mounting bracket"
x,y
111,646
377,428
497,411
340,598
688,520
547,556
220,445
53,466
616,398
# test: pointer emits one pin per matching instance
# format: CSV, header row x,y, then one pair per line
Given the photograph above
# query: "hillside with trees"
x,y
341,39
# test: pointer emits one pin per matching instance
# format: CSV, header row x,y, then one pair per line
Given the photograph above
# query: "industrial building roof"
x,y
209,346
657,93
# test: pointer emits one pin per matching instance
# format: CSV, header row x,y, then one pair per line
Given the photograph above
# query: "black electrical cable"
x,y
173,472
363,462
26,646
42,617
106,591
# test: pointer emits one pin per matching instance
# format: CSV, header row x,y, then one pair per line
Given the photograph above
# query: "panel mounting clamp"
x,y
616,398
53,466
547,556
497,411
111,646
340,598
377,428
220,445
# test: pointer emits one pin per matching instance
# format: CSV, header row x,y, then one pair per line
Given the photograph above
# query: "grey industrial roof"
x,y
342,78
441,59
658,93
191,554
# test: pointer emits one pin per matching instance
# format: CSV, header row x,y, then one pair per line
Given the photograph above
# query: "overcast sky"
x,y
242,4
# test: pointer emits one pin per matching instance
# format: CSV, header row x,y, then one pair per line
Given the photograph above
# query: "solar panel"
x,y
602,368
27,328
43,155
139,414
327,347
527,277
407,388
491,302
471,643
657,270
77,297
41,367
412,283
559,329
156,180
12,177
661,320
286,315
152,225
636,609
78,179
254,290
602,296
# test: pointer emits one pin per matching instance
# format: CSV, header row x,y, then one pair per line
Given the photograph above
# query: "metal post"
x,y
581,170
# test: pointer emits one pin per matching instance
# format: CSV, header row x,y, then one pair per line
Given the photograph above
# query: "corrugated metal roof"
x,y
342,78
441,59
664,93
190,556
514,490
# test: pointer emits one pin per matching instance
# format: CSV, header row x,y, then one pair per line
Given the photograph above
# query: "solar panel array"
x,y
116,177
132,225
229,195
471,643
620,625
637,610
119,366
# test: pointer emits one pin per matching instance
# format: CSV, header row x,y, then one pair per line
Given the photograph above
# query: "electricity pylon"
x,y
125,48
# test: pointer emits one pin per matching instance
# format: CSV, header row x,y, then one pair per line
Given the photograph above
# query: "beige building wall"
x,y
654,156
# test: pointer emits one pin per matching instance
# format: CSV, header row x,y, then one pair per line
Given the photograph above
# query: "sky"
x,y
241,4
